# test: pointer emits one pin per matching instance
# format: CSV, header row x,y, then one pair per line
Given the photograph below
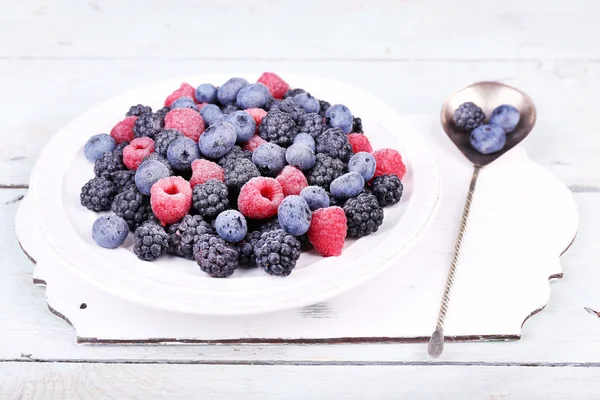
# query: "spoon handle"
x,y
436,343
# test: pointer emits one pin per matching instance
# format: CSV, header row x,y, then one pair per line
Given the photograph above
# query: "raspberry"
x,y
311,123
186,121
359,142
215,256
357,125
185,90
203,170
132,206
136,151
106,165
254,142
389,162
292,180
171,199
328,230
148,125
163,139
260,197
277,86
334,143
388,189
183,235
277,252
123,131
245,248
325,171
258,114
97,194
279,128
289,106
150,241
210,198
138,110
122,179
364,214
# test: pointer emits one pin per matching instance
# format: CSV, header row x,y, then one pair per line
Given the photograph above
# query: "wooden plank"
x,y
47,94
563,333
101,381
407,30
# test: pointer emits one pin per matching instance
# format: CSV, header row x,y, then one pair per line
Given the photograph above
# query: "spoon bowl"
x,y
488,96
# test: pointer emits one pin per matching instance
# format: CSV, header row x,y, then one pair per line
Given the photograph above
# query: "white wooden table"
x,y
60,57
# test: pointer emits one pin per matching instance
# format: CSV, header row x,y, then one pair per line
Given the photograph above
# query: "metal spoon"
x,y
487,95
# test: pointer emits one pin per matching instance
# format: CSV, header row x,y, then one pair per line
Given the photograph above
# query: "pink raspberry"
x,y
277,86
260,197
359,143
186,121
136,151
185,90
328,230
389,162
203,170
292,180
254,142
170,199
258,114
123,131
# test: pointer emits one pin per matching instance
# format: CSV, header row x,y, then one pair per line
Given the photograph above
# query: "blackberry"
x,y
323,106
325,170
97,194
185,233
279,128
387,189
311,123
289,106
334,143
293,92
269,104
138,110
107,164
276,252
148,125
246,247
150,241
233,154
468,116
123,179
357,125
163,139
215,256
273,224
132,206
118,151
229,108
336,201
163,112
237,173
364,215
210,198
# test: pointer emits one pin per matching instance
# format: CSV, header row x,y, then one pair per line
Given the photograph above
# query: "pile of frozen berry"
x,y
241,175
491,137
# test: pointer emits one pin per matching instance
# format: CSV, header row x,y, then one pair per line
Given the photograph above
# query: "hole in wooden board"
x,y
83,306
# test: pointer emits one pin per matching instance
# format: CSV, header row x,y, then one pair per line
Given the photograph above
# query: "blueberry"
x,y
148,173
211,114
97,145
184,102
181,152
227,93
307,102
300,156
294,215
305,139
488,139
269,159
110,231
245,125
231,226
363,163
217,140
255,95
505,116
339,116
316,197
206,93
347,185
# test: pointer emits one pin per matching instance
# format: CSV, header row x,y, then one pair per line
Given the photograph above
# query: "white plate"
x,y
176,284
